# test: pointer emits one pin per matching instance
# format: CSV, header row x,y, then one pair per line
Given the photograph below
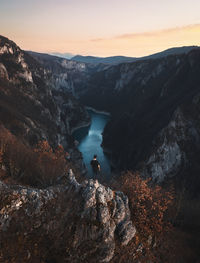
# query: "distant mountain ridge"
x,y
123,59
104,60
62,55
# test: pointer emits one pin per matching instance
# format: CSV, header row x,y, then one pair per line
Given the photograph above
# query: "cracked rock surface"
x,y
69,223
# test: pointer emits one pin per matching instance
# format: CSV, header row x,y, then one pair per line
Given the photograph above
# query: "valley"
x,y
48,195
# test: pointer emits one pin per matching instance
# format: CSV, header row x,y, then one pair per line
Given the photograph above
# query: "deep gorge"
x,y
154,129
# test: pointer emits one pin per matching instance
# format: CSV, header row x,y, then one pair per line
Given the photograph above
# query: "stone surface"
x,y
80,222
177,145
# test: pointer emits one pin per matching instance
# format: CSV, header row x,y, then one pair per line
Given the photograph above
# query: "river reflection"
x,y
90,139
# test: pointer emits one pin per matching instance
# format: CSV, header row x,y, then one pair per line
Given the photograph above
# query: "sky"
x,y
101,27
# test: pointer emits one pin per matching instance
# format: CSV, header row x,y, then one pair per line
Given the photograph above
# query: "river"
x,y
90,139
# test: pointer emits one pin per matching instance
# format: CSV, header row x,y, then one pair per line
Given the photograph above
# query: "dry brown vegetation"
x,y
39,166
154,212
149,206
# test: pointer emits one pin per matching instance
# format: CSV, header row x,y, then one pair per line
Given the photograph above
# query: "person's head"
x,y
95,156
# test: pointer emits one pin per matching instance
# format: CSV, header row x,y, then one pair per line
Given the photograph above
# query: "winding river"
x,y
90,139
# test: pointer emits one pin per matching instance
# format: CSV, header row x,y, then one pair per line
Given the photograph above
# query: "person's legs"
x,y
95,174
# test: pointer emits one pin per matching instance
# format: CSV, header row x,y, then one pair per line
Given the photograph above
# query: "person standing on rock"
x,y
95,165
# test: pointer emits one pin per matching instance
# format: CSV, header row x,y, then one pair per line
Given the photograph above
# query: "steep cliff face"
x,y
175,150
31,106
66,223
68,75
168,155
147,100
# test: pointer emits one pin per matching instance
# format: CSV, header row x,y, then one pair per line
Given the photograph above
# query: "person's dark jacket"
x,y
95,165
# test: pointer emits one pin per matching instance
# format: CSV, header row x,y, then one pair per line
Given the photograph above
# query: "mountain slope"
x,y
171,51
106,60
67,75
31,106
143,98
66,221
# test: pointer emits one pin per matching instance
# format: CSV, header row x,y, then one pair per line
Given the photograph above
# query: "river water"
x,y
90,139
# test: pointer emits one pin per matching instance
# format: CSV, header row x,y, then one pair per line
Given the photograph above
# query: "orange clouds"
x,y
144,43
159,33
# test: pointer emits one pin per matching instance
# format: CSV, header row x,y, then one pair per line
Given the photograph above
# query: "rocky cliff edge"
x,y
71,222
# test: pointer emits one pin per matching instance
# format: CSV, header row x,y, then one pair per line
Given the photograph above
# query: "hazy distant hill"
x,y
62,55
122,59
107,60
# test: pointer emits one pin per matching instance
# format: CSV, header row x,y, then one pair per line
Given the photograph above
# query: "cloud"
x,y
146,43
195,28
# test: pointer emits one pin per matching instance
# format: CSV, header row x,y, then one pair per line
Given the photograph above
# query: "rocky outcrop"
x,y
168,156
176,148
68,223
67,75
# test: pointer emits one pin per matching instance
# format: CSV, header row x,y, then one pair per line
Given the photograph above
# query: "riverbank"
x,y
97,111
87,124
83,125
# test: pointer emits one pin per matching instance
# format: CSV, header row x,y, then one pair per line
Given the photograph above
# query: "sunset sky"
x,y
101,27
